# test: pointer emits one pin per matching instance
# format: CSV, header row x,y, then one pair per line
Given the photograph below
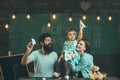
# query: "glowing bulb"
x,y
54,16
110,18
98,18
70,18
49,24
13,16
84,17
28,16
7,26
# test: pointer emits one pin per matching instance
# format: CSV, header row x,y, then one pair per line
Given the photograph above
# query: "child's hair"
x,y
70,29
87,45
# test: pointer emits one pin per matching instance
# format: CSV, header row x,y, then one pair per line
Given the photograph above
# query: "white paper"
x,y
33,41
83,25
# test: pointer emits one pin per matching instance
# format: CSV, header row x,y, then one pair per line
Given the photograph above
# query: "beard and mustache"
x,y
48,48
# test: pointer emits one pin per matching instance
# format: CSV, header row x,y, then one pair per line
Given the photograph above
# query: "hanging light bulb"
x,y
28,16
14,16
6,26
49,24
98,17
84,17
109,17
54,16
70,18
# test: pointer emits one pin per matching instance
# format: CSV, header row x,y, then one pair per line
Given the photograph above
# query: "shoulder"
x,y
75,42
36,52
54,53
88,56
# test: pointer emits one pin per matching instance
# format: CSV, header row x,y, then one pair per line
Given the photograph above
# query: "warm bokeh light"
x,y
109,18
84,17
70,18
98,18
28,16
54,16
13,16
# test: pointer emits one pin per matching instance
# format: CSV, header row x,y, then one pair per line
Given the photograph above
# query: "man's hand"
x,y
29,47
55,74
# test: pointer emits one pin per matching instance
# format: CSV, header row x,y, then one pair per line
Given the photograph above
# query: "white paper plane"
x,y
33,41
82,24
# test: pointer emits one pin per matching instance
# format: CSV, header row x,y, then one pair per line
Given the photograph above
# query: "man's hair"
x,y
42,37
70,29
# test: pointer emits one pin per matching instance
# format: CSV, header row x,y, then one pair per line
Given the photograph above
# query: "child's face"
x,y
72,35
81,46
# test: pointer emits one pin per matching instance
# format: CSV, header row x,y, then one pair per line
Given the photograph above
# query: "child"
x,y
69,54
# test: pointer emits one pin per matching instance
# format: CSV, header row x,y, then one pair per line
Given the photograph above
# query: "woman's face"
x,y
81,46
72,35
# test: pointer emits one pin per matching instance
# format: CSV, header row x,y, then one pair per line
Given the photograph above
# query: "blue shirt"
x,y
85,64
71,48
43,64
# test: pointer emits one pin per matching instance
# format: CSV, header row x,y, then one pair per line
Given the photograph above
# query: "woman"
x,y
86,60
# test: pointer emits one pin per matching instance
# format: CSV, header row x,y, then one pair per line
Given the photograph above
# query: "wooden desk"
x,y
11,67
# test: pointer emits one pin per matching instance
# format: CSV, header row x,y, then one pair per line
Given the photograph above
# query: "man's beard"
x,y
48,48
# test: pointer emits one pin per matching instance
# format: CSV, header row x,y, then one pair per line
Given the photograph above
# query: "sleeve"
x,y
64,47
56,57
77,57
32,56
80,35
82,64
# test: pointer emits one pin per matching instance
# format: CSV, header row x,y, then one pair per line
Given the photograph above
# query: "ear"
x,y
41,43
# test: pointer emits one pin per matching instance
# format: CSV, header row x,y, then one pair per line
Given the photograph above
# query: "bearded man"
x,y
44,58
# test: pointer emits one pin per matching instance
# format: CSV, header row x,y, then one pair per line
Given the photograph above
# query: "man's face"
x,y
71,35
48,47
47,40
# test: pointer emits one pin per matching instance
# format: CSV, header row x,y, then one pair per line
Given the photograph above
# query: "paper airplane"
x,y
33,41
82,24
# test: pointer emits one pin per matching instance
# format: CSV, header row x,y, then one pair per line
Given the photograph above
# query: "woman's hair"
x,y
87,45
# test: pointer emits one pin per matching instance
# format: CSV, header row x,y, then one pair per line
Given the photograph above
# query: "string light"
x,y
70,18
98,18
109,17
14,16
49,24
28,16
84,17
54,16
6,26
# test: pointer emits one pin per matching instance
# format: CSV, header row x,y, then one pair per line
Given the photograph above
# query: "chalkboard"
x,y
103,34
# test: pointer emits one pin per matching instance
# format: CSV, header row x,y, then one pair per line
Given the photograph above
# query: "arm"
x,y
82,65
80,35
25,59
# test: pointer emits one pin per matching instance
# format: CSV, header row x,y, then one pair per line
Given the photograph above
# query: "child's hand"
x,y
73,55
81,27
